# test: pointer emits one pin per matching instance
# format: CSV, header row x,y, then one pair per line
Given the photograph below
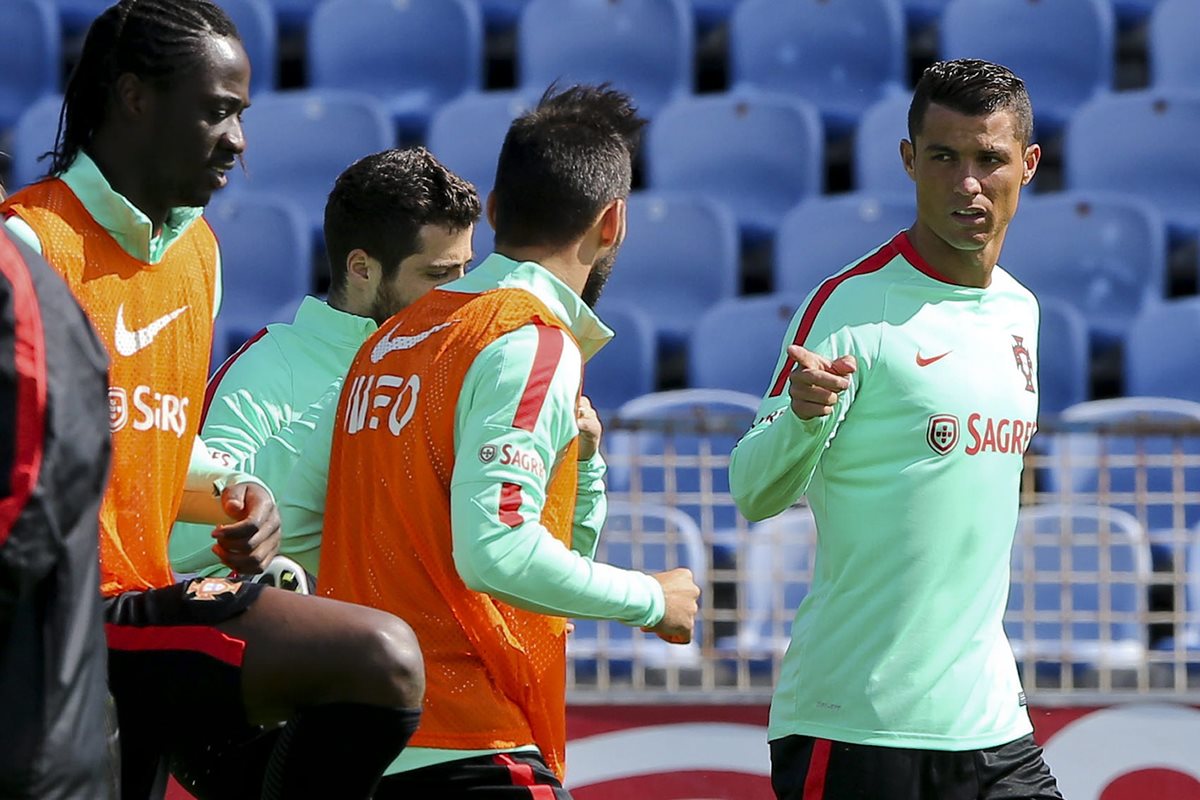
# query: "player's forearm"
x,y
206,479
527,567
772,465
591,506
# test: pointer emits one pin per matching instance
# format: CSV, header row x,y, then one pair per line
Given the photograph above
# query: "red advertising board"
x,y
679,752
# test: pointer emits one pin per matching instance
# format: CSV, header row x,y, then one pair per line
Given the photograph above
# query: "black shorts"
x,y
505,776
177,682
804,768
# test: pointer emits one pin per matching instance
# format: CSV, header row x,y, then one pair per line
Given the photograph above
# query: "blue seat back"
x,y
1063,50
626,367
413,55
1064,354
680,256
737,343
1104,253
30,54
1162,351
643,47
841,57
759,153
824,234
877,164
299,142
466,134
1144,127
34,136
1172,36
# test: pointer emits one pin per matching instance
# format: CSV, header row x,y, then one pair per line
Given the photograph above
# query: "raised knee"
x,y
396,656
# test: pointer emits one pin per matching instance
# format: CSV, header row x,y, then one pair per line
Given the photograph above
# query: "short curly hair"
x,y
380,203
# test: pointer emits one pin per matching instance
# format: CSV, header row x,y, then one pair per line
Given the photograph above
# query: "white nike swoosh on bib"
x,y
390,344
129,342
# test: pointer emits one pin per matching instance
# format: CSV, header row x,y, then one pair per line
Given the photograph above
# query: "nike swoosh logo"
x,y
129,342
390,344
925,362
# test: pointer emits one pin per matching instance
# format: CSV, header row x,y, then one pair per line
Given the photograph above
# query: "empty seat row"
x,y
414,55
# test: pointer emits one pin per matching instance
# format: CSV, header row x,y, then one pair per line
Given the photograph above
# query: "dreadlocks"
x,y
152,39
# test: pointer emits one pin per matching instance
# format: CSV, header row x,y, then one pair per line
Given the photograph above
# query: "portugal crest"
x,y
118,408
1024,361
942,434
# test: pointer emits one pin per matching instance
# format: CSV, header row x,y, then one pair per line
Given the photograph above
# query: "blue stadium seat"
x,y
759,153
643,47
1135,473
1064,355
1062,49
1104,253
294,15
824,234
648,538
255,21
412,55
325,131
1173,33
877,164
266,260
77,15
1128,143
1088,565
710,13
466,134
841,57
1132,12
777,562
674,451
33,136
680,256
502,13
736,344
625,367
1162,353
30,52
920,13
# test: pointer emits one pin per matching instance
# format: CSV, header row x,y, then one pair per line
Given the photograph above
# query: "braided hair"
x,y
152,39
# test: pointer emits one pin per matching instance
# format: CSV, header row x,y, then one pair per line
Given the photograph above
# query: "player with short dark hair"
x,y
458,461
397,224
151,123
903,401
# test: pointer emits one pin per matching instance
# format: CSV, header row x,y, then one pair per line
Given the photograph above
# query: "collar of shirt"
x,y
325,322
125,223
501,272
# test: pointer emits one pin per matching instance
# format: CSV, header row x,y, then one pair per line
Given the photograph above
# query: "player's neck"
x,y
126,173
960,267
562,263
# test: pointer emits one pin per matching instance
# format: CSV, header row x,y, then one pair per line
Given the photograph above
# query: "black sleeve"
x,y
26,552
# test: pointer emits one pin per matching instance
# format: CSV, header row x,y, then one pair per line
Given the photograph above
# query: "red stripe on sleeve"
x,y
510,505
29,357
522,775
545,362
193,638
818,768
210,391
870,264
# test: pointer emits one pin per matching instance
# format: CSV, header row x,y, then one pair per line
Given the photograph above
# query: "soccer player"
x,y
901,405
452,493
397,224
54,454
151,124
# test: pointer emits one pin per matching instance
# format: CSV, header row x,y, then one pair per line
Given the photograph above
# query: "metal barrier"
x,y
1105,604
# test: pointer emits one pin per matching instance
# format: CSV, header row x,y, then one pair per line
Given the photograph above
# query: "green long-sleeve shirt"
x,y
257,395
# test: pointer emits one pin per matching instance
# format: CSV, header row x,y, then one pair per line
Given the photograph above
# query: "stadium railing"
x,y
1105,605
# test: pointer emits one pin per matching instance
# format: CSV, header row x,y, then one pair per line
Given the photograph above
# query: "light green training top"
x,y
914,482
254,398
522,565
